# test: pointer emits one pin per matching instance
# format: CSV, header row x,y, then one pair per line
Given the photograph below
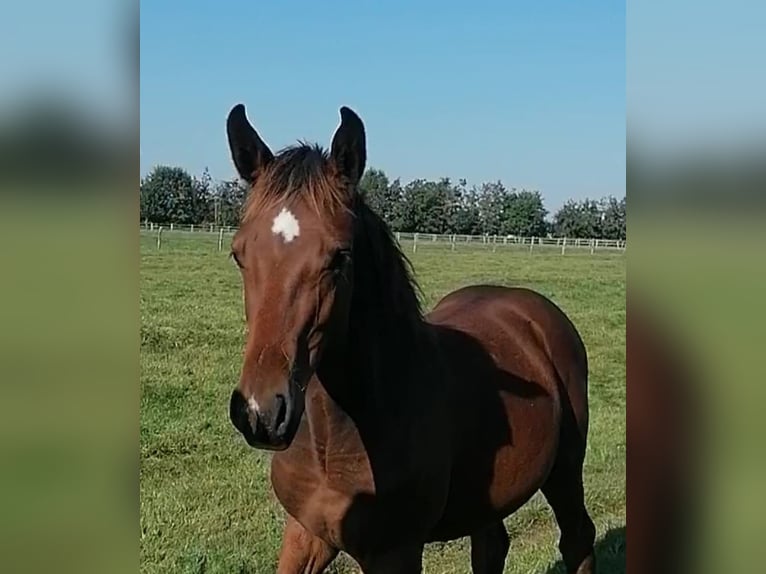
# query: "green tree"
x,y
566,221
592,217
167,195
374,187
229,197
492,199
201,200
613,218
381,195
395,206
524,214
466,217
578,219
428,206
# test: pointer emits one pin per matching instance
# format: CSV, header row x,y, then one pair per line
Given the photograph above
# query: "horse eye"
x,y
340,259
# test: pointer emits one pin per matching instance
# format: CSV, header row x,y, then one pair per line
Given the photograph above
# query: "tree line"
x,y
172,195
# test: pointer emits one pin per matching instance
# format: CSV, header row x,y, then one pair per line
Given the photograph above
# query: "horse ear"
x,y
349,148
249,153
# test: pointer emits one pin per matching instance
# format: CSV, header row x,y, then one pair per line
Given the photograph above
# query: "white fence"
x,y
415,241
495,241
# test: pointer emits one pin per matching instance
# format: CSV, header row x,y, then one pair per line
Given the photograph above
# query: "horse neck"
x,y
374,367
371,367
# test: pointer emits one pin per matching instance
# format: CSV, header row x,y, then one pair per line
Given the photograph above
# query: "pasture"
x,y
206,502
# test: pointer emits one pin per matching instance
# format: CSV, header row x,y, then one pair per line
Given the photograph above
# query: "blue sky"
x,y
532,93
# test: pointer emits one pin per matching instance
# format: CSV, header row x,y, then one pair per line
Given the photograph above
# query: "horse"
x,y
390,428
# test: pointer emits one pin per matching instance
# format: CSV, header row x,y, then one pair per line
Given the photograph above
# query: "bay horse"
x,y
390,428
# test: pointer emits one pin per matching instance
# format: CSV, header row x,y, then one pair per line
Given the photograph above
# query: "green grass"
x,y
206,502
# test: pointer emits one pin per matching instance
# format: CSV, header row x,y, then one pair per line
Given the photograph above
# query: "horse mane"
x,y
382,272
301,169
386,318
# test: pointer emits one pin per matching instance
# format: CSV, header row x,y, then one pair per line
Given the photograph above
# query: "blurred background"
x,y
696,152
69,163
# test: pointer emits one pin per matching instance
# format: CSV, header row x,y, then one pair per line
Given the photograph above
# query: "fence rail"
x,y
415,240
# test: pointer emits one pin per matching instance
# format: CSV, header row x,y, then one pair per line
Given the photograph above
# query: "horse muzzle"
x,y
270,425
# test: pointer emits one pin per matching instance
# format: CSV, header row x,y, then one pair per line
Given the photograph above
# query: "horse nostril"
x,y
238,411
280,413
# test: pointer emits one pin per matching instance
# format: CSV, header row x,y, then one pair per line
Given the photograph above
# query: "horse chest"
x,y
318,488
341,500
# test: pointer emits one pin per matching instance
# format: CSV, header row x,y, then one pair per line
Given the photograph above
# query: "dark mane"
x,y
302,169
386,325
382,273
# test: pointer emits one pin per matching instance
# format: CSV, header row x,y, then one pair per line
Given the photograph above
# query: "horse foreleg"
x,y
302,552
405,560
489,548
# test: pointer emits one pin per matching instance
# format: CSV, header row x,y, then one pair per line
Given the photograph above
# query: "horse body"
x,y
506,399
391,428
494,411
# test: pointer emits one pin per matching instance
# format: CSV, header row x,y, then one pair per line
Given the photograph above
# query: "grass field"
x,y
206,503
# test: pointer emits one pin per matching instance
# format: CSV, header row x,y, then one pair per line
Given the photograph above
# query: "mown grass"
x,y
206,502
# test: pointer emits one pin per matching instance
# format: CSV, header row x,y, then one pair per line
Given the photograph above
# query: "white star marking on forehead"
x,y
286,225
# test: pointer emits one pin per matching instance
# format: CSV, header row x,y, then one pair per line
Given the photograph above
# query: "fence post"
x,y
192,227
452,240
531,243
494,243
563,245
414,242
159,237
171,227
398,236
592,245
220,239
